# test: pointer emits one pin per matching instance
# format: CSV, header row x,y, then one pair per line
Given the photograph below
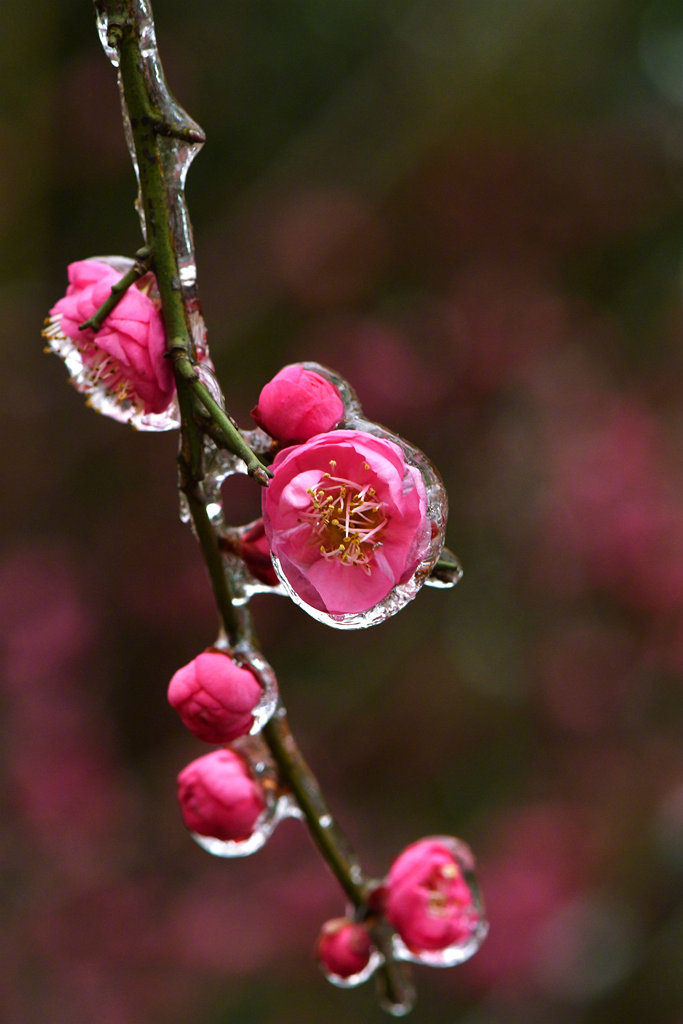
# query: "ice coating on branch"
x,y
432,900
251,545
446,573
355,522
121,367
178,143
245,549
298,403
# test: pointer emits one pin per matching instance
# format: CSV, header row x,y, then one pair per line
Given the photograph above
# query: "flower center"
x,y
442,900
101,368
346,519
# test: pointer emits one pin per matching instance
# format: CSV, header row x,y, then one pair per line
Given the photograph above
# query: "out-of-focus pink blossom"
x,y
611,504
343,947
215,697
219,798
297,404
428,901
345,516
126,355
545,856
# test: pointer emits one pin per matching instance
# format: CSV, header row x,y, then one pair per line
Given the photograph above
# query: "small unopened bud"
x,y
297,404
344,948
218,796
215,697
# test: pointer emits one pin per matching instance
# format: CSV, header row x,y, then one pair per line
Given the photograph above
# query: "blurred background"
x,y
473,210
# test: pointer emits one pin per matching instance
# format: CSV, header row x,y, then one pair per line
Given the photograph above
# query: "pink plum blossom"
x,y
343,947
219,798
126,355
428,901
346,518
215,697
297,404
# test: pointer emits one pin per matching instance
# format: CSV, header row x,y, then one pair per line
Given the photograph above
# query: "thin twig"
x,y
118,290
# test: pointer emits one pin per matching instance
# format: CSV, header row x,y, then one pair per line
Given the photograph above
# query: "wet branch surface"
x,y
152,123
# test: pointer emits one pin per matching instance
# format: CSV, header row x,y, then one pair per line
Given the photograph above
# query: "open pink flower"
x,y
346,518
126,355
428,901
297,404
215,697
343,947
219,798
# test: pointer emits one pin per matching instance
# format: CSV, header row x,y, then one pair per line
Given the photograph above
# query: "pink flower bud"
x,y
298,403
219,798
215,697
343,947
346,518
428,901
126,355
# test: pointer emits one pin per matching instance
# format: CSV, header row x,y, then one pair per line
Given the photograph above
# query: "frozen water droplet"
x,y
103,32
292,809
213,510
207,375
453,955
447,571
251,658
398,1009
265,826
397,1002
356,874
184,508
356,979
325,821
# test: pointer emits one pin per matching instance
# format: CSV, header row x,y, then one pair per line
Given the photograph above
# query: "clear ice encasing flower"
x,y
99,363
442,891
356,520
345,953
276,805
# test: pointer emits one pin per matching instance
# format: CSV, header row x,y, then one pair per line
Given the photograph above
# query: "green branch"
x,y
197,406
147,123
